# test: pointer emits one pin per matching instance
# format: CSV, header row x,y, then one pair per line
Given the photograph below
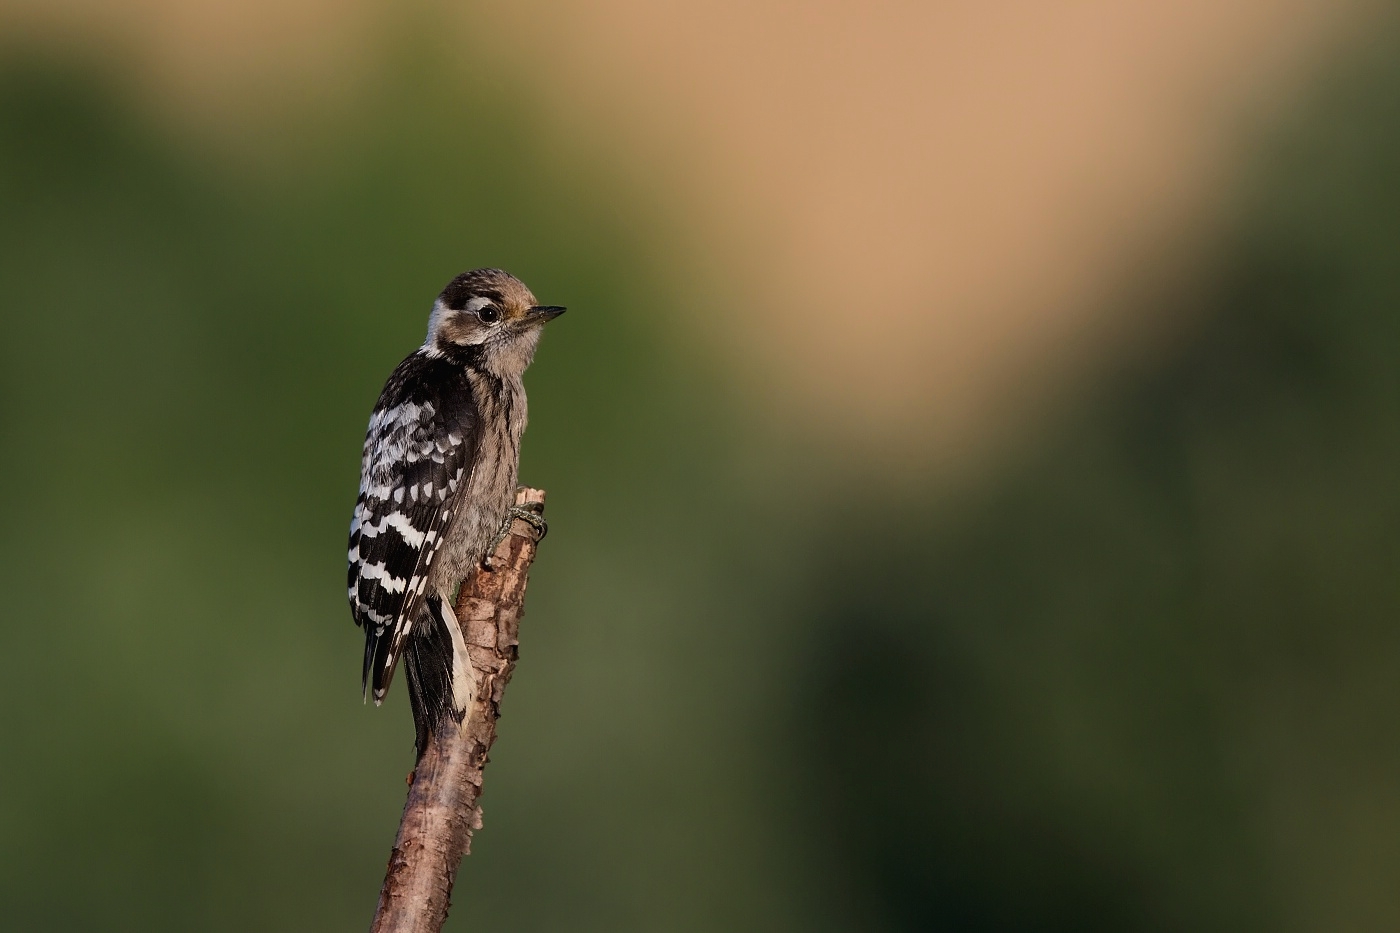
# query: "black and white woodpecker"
x,y
437,487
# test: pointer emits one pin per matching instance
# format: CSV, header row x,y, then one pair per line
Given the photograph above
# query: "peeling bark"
x,y
441,812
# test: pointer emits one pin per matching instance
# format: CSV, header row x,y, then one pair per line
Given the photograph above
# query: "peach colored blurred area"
x,y
940,195
943,196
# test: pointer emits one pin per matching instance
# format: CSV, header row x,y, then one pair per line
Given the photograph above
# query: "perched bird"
x,y
437,487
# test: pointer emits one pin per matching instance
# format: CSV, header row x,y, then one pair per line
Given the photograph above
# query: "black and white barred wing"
x,y
415,457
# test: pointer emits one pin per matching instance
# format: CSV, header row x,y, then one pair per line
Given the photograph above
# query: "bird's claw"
x,y
532,514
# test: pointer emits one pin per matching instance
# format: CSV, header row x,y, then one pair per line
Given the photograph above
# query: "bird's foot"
x,y
532,514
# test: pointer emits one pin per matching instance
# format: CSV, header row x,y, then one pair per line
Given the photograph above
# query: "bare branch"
x,y
441,812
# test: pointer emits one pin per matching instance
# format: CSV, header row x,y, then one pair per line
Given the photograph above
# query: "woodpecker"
x,y
437,487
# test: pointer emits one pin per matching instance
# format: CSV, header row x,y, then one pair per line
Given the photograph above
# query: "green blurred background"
x,y
1143,673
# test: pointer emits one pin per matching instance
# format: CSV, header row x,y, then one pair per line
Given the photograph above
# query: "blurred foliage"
x,y
1144,679
1149,679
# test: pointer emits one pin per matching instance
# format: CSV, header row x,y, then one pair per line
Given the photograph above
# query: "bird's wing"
x,y
417,452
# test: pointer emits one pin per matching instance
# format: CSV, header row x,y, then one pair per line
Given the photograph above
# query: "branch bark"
x,y
441,812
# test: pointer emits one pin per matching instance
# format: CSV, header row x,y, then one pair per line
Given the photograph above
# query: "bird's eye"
x,y
488,315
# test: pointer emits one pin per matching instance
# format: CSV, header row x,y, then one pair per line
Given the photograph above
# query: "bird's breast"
x,y
483,501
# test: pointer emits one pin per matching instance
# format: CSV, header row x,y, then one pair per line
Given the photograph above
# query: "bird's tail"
x,y
441,680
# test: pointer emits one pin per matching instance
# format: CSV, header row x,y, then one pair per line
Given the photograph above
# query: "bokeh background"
x,y
973,458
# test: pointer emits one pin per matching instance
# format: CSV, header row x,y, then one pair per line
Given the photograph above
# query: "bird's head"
x,y
489,318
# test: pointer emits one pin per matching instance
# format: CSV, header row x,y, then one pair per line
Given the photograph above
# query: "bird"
x,y
437,488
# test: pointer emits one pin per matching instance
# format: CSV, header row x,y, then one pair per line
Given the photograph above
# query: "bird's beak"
x,y
539,314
